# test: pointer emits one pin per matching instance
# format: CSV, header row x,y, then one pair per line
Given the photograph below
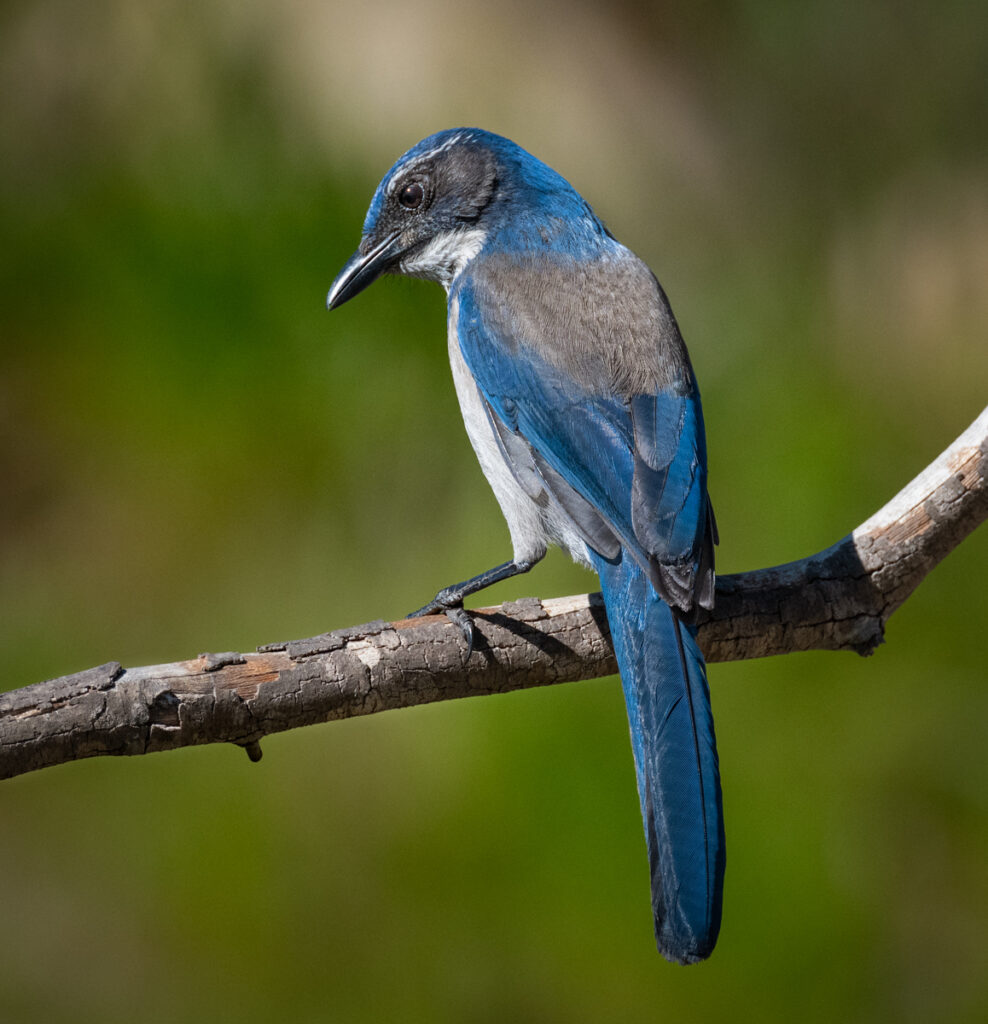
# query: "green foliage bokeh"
x,y
195,456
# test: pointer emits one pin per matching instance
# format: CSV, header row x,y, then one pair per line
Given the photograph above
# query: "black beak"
x,y
362,269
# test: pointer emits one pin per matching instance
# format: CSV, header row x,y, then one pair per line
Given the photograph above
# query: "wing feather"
x,y
628,470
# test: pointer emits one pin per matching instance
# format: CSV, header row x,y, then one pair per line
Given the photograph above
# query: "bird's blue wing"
x,y
638,462
670,512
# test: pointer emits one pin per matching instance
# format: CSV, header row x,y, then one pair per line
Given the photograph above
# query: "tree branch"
x,y
838,599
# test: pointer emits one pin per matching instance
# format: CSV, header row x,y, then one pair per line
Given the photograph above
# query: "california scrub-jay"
x,y
580,401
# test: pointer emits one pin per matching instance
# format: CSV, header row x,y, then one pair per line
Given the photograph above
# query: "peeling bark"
x,y
838,599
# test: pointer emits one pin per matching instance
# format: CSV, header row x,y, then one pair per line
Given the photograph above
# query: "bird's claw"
x,y
456,614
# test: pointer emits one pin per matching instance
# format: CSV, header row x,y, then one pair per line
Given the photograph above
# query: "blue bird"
x,y
581,404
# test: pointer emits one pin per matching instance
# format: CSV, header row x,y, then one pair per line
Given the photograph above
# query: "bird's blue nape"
x,y
579,399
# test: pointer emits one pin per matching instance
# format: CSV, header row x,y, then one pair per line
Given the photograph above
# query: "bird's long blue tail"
x,y
672,733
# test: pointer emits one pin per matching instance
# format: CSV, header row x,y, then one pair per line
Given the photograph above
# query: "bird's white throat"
x,y
445,255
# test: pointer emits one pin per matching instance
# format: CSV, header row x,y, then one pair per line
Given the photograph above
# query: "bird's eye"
x,y
411,196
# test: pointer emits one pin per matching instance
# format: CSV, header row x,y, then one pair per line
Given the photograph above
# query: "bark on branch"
x,y
838,599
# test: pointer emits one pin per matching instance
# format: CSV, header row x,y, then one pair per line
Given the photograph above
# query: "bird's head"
x,y
437,206
424,219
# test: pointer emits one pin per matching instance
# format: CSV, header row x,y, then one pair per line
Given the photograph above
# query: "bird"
x,y
582,406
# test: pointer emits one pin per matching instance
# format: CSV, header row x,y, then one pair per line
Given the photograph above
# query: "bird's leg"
x,y
449,600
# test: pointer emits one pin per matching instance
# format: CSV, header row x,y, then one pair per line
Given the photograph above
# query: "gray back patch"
x,y
606,323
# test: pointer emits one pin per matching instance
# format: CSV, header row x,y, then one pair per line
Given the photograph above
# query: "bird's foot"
x,y
449,602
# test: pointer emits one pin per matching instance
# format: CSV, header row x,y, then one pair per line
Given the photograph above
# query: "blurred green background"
x,y
195,456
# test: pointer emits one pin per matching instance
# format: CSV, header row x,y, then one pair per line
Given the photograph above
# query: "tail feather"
x,y
672,735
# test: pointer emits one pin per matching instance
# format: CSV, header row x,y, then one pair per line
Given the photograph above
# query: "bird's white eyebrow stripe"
x,y
435,151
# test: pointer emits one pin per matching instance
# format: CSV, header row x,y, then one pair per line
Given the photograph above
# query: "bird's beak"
x,y
362,269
